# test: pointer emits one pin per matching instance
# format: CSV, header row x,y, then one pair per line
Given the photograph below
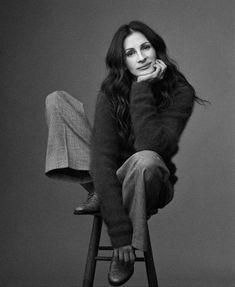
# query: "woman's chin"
x,y
147,71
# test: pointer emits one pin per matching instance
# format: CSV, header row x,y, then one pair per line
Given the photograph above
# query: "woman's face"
x,y
139,54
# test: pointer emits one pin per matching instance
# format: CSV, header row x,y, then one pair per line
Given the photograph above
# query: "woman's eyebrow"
x,y
147,42
128,49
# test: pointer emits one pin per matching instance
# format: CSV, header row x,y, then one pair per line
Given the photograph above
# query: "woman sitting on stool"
x,y
125,161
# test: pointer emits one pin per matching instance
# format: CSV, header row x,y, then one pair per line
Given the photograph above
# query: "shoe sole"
x,y
81,212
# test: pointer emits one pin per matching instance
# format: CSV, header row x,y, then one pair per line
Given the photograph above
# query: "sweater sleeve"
x,y
159,131
104,163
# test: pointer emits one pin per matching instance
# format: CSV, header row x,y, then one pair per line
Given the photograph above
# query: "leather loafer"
x,y
90,206
119,272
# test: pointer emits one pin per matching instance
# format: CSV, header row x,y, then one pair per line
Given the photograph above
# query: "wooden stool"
x,y
92,256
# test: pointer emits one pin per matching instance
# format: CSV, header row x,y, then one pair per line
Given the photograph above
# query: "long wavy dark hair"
x,y
118,82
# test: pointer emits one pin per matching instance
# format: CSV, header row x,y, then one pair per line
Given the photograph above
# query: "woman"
x,y
142,108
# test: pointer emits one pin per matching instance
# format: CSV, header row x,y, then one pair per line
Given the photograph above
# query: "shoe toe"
x,y
78,210
90,206
119,272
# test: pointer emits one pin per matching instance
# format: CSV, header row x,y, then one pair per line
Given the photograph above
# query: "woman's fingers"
x,y
120,254
115,253
125,253
126,256
132,256
160,67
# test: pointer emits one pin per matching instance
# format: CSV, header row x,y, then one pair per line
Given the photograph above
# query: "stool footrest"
x,y
138,259
103,258
105,248
108,258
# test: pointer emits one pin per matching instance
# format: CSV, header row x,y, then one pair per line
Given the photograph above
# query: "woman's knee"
x,y
147,159
60,102
152,165
53,100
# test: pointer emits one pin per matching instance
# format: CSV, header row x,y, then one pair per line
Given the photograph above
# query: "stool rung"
x,y
105,248
108,258
139,259
103,258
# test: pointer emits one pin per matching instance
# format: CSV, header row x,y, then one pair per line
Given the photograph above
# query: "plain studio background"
x,y
61,45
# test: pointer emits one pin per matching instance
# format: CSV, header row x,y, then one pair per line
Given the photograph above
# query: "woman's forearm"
x,y
158,131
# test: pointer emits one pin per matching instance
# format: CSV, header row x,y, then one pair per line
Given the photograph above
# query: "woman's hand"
x,y
125,253
159,70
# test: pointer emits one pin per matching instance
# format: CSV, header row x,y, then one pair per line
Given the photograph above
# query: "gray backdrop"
x,y
61,45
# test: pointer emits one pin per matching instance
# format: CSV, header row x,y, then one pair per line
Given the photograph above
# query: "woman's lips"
x,y
145,66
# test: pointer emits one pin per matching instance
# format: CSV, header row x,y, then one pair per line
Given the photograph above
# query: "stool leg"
x,y
89,273
149,263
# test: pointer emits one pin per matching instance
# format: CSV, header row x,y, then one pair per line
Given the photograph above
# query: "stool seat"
x,y
93,256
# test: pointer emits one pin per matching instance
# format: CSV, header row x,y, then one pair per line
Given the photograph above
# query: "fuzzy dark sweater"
x,y
153,130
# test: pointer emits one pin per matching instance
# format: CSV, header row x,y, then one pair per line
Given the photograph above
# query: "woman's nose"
x,y
141,57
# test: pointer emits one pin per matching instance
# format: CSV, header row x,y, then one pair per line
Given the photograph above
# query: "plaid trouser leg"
x,y
145,188
69,135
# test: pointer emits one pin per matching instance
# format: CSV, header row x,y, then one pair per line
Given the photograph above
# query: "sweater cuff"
x,y
141,86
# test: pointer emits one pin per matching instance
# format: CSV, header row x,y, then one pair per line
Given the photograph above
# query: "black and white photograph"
x,y
117,143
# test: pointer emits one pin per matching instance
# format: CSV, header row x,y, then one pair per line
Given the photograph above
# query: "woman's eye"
x,y
146,47
130,53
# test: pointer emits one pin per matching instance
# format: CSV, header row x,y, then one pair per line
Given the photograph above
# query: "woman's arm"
x,y
159,131
104,163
